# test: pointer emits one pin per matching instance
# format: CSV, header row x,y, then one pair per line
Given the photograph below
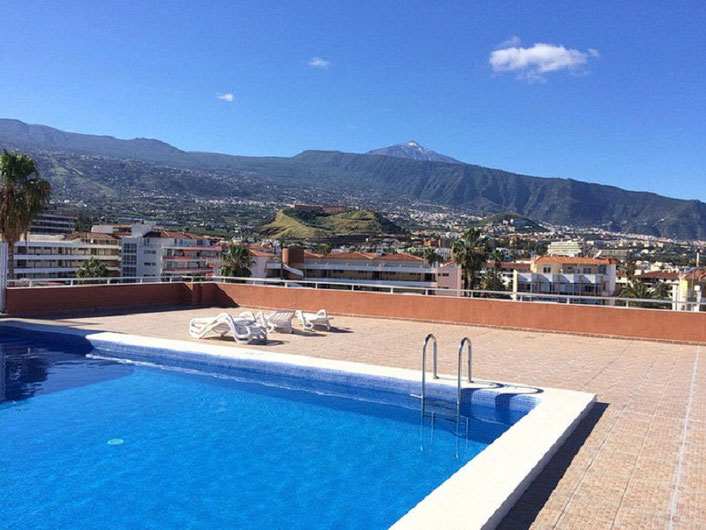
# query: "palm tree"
x,y
93,268
492,281
470,253
639,290
629,267
497,257
661,291
431,256
236,262
23,194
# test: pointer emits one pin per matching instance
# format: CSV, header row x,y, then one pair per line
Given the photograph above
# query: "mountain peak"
x,y
414,151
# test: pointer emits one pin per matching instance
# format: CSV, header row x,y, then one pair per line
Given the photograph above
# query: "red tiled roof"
x,y
697,274
91,235
260,253
364,256
348,255
509,265
665,275
399,257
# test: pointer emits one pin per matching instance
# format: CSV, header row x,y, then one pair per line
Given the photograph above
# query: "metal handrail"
x,y
427,339
506,296
467,342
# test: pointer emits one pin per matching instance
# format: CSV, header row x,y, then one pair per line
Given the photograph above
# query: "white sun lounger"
x,y
276,321
243,330
312,320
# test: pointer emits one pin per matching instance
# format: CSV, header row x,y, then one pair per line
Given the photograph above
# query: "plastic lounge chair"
x,y
277,321
243,330
312,320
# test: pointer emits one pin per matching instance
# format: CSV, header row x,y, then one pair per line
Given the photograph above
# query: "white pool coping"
x,y
479,494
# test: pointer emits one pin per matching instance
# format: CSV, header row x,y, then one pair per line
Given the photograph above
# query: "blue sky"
x,y
610,92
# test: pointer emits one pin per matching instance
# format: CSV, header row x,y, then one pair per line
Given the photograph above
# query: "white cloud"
x,y
318,62
228,97
532,63
509,43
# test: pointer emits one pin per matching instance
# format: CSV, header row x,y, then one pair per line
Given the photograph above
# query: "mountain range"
x,y
413,151
103,166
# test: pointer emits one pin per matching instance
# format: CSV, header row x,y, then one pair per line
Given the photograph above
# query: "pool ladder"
x,y
432,407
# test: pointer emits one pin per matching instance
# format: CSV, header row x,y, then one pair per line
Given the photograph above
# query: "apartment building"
x,y
362,268
568,276
150,251
60,256
572,248
53,223
692,286
507,270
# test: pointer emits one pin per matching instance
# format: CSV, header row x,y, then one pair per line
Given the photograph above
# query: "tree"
x,y
23,194
431,256
236,262
629,268
492,281
497,257
640,290
93,268
470,253
661,291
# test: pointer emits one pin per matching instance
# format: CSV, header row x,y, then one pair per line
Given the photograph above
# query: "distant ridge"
x,y
18,132
413,151
94,168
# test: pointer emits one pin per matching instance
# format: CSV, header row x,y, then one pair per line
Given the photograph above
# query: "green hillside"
x,y
101,168
307,224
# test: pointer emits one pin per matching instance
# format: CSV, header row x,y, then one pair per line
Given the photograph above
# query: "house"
x,y
564,275
62,255
360,268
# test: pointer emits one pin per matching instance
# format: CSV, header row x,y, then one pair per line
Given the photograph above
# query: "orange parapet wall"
x,y
593,320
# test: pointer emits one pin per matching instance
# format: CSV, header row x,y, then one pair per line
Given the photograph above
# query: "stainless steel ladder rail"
x,y
467,342
427,339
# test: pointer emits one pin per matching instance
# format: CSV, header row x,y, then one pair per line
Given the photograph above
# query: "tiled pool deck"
x,y
637,461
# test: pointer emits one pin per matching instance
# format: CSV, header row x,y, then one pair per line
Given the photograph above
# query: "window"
x,y
602,269
587,270
547,270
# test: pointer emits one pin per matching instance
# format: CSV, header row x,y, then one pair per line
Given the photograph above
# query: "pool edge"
x,y
477,495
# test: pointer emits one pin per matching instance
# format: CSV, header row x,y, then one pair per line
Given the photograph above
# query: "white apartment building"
x,y
151,251
571,248
361,268
60,256
53,223
568,276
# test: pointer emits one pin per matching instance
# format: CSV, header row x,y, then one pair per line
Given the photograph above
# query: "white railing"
x,y
110,280
529,297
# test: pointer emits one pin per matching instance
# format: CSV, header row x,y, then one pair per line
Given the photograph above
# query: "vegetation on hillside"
x,y
291,223
94,166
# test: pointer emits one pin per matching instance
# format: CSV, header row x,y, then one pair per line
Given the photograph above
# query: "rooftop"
x,y
576,260
637,461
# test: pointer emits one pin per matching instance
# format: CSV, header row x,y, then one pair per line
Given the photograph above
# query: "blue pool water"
x,y
89,443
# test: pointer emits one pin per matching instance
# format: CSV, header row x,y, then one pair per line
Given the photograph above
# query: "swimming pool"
x,y
89,440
